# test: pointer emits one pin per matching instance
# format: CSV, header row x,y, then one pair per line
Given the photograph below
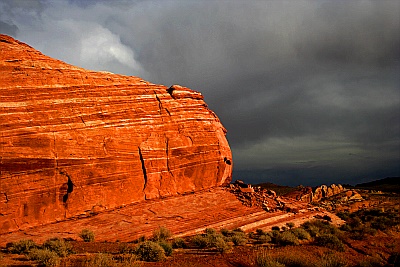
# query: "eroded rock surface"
x,y
74,141
307,194
184,215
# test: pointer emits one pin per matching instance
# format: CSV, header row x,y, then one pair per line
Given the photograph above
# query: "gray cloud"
x,y
306,89
9,29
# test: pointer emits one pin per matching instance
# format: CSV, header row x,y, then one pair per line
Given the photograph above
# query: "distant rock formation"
x,y
257,197
307,194
74,141
326,191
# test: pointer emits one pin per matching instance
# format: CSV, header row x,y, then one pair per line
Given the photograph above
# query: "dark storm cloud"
x,y
9,29
302,87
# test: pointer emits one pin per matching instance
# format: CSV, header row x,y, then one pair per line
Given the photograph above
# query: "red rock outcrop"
x,y
326,191
306,194
73,141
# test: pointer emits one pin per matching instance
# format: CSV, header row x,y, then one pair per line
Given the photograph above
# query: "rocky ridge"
x,y
256,196
75,141
308,194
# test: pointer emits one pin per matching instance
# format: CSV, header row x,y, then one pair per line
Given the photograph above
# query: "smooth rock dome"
x,y
74,141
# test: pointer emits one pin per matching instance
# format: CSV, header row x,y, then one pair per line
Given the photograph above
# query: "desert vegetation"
x,y
369,237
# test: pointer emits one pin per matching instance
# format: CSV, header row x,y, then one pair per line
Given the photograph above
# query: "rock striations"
x,y
74,141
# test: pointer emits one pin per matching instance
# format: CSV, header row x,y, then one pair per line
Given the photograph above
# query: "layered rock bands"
x,y
73,141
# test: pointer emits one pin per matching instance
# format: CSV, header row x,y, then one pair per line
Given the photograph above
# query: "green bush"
x,y
301,234
262,239
262,259
221,245
100,260
150,251
363,223
44,257
200,241
318,227
239,239
59,246
87,235
330,241
21,247
161,233
179,243
167,247
212,239
286,238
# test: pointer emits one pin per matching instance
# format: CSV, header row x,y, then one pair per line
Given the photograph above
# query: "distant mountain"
x,y
390,184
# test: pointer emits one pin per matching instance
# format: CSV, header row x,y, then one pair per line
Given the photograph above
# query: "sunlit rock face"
x,y
74,141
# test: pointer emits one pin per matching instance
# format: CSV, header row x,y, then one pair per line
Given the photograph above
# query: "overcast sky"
x,y
309,91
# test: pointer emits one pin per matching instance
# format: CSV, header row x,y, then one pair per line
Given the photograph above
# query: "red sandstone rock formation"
x,y
74,141
326,191
306,194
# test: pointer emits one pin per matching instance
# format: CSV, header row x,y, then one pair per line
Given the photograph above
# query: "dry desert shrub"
x,y
167,247
263,259
318,227
44,257
179,243
107,260
239,239
150,251
100,260
87,235
161,233
295,260
286,238
262,239
59,246
212,239
200,241
221,245
301,234
330,241
23,246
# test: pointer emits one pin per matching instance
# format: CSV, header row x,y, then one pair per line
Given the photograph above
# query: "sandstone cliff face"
x,y
74,141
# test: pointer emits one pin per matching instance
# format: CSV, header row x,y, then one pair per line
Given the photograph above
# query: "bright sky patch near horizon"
x,y
309,91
